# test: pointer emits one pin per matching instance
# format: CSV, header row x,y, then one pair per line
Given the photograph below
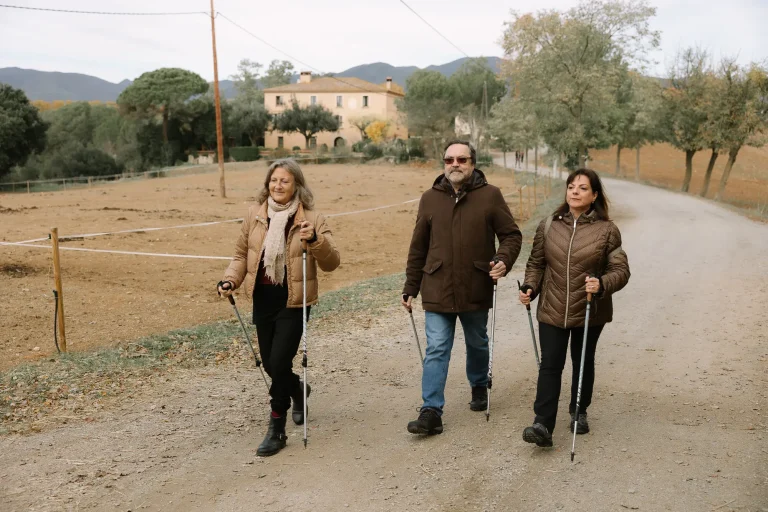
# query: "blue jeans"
x,y
440,328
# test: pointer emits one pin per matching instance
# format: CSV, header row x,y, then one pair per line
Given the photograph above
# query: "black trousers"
x,y
279,331
554,347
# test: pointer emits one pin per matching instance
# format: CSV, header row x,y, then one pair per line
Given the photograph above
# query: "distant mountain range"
x,y
50,86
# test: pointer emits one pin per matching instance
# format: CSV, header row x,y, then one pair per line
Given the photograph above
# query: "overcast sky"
x,y
329,35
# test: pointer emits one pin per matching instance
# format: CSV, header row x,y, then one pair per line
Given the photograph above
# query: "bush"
x,y
295,148
359,146
323,149
372,151
484,158
415,148
245,153
341,151
281,153
86,162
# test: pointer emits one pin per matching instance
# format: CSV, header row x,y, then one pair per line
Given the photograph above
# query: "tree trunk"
x,y
618,160
727,172
504,152
306,140
582,156
637,164
688,169
526,158
165,125
536,157
708,175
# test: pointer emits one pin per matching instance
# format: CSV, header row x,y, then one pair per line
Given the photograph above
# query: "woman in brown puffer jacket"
x,y
576,251
268,259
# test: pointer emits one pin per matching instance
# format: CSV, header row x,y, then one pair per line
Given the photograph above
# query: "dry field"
x,y
661,164
112,298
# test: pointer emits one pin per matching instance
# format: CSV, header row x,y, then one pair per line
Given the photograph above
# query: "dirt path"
x,y
678,421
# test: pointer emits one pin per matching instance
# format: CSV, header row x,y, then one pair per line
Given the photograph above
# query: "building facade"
x,y
347,97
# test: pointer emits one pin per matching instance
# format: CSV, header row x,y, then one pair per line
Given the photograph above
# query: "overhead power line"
x,y
106,13
294,58
433,28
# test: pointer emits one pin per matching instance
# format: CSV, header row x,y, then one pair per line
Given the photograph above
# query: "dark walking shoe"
x,y
275,439
429,423
582,427
479,398
298,404
538,434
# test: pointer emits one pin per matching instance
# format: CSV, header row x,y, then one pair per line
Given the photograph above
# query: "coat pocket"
x,y
482,284
431,281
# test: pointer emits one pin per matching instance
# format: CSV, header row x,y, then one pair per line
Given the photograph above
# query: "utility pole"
x,y
485,113
217,99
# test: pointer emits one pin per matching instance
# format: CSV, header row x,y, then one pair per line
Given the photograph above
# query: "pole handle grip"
x,y
231,300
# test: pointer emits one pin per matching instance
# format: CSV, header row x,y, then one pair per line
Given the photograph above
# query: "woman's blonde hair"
x,y
302,190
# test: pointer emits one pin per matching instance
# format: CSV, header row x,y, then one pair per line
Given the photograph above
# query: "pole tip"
x,y
305,444
572,454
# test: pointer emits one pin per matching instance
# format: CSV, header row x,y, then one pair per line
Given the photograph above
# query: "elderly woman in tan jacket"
x,y
268,259
576,251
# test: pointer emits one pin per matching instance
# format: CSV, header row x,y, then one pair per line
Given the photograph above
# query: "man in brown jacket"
x,y
453,261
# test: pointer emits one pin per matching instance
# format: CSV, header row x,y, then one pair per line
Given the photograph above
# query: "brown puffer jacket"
x,y
322,252
561,261
453,243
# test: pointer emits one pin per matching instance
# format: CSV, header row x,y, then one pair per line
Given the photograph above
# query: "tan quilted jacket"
x,y
562,258
322,253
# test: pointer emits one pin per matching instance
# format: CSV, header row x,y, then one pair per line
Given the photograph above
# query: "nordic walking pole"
x,y
415,334
247,337
490,358
581,376
533,333
304,332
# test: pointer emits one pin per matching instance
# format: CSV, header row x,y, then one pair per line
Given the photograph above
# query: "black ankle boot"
x,y
298,404
582,426
275,439
429,423
479,398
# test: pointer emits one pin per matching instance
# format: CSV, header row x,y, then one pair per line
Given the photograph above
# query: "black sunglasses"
x,y
459,159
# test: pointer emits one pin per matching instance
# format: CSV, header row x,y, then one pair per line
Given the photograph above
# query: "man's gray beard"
x,y
462,179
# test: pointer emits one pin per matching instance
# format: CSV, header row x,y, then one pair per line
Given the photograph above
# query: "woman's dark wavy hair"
x,y
601,204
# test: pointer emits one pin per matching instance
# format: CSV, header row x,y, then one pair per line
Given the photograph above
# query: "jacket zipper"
x,y
568,276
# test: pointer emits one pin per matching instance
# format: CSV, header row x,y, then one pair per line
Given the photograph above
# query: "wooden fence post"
x,y
57,280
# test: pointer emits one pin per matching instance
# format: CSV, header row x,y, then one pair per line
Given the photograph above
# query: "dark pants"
x,y
279,331
554,346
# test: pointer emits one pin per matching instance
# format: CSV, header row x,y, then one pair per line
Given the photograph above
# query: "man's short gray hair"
x,y
472,152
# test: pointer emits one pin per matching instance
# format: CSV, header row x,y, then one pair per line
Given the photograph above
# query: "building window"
x,y
280,142
339,120
365,101
339,102
313,100
313,142
279,100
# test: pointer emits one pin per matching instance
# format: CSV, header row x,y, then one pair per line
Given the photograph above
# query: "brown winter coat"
x,y
454,242
560,262
322,253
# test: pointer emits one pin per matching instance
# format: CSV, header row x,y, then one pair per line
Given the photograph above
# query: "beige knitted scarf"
x,y
274,243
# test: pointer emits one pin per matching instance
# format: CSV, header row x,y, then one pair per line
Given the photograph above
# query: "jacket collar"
x,y
587,217
475,181
300,216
